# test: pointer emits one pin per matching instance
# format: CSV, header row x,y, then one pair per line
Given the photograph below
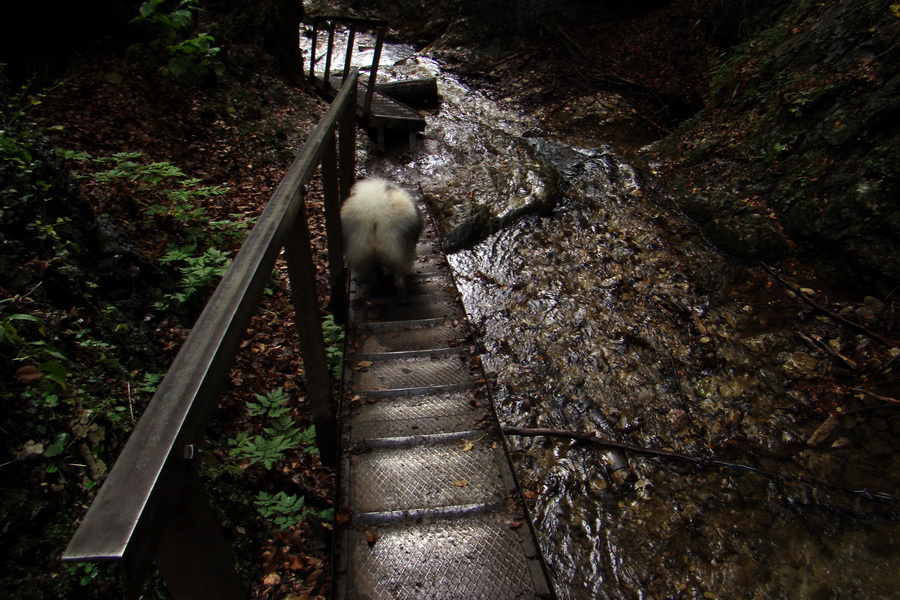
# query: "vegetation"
x,y
112,239
786,106
168,198
280,432
70,394
334,346
191,57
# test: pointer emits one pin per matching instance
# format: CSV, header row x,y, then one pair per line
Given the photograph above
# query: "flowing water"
x,y
602,311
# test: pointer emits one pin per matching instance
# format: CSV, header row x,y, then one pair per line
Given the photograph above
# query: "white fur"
x,y
381,226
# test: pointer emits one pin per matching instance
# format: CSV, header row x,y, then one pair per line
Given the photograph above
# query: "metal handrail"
x,y
152,506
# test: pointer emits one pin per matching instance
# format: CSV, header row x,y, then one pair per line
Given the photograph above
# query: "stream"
x,y
602,310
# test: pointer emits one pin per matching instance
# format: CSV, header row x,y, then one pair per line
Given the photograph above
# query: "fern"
x,y
259,449
271,404
286,510
334,345
280,434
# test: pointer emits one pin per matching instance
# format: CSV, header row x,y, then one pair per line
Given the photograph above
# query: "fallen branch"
x,y
818,344
681,396
825,311
694,460
876,396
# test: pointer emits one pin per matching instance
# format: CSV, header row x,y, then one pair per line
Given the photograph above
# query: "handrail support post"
x,y
334,232
298,256
193,556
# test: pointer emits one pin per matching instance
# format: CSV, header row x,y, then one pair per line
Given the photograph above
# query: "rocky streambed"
x,y
603,310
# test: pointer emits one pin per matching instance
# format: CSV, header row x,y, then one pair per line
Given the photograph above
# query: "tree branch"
x,y
825,311
695,460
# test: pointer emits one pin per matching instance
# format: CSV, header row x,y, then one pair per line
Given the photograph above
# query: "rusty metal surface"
x,y
433,508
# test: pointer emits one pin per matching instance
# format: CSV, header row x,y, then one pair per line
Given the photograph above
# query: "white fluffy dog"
x,y
381,226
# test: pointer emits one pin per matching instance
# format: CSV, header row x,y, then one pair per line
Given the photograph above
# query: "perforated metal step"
x,y
411,337
411,375
415,308
475,557
425,477
434,509
377,420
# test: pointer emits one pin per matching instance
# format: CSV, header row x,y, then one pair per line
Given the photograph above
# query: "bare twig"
x,y
876,396
504,60
820,345
825,311
694,460
130,405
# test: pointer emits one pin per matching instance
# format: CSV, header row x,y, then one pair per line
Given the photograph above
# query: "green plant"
x,y
170,199
194,58
280,434
190,57
50,361
260,449
271,404
166,194
334,345
150,382
777,149
23,170
197,272
286,510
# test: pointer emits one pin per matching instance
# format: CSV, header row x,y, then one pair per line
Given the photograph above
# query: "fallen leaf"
x,y
271,579
460,483
295,562
342,516
516,524
468,445
364,364
372,537
530,494
28,374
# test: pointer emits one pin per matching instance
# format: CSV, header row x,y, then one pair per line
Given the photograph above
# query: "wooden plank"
x,y
385,111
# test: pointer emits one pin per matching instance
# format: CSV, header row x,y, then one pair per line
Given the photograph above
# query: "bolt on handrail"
x,y
152,506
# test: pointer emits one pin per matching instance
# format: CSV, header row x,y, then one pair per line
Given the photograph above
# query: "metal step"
x,y
433,509
471,557
375,421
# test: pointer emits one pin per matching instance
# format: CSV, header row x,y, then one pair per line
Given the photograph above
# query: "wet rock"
x,y
678,419
870,308
878,446
823,431
799,365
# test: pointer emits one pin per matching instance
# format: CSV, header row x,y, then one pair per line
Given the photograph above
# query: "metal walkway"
x,y
434,511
